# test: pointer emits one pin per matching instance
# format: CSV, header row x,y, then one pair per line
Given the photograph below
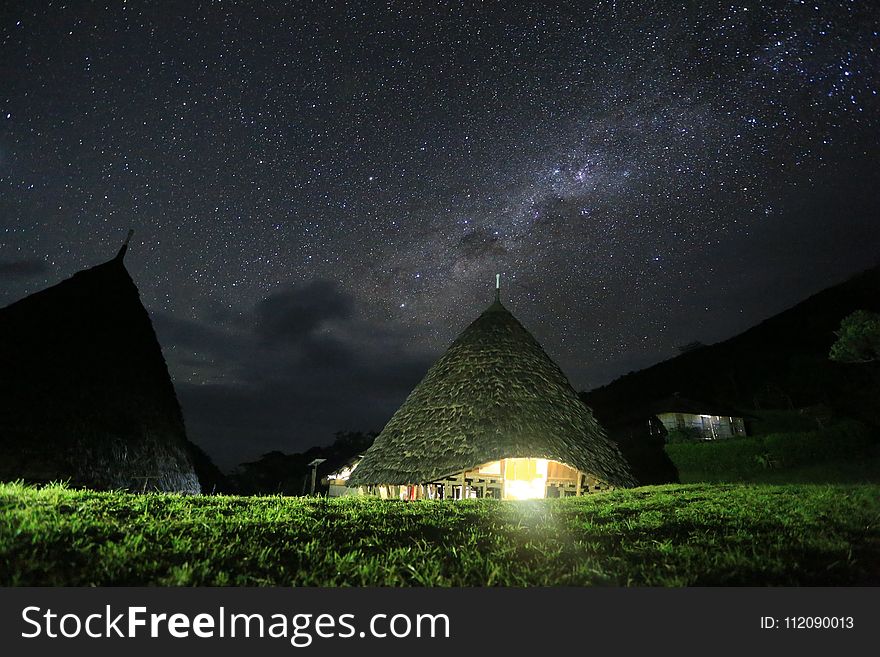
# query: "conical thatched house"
x,y
85,394
493,417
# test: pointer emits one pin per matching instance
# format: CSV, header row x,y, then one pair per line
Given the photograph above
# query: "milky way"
x,y
322,193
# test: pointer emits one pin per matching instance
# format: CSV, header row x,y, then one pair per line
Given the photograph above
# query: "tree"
x,y
858,340
288,474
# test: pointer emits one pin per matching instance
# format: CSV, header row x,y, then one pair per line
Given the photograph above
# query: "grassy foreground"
x,y
664,535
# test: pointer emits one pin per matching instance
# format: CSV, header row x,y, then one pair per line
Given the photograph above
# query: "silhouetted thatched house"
x,y
85,394
493,417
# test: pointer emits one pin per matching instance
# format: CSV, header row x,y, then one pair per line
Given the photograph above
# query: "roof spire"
x,y
496,305
124,247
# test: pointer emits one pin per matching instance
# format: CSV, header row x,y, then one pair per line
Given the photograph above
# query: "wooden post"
x,y
577,490
314,466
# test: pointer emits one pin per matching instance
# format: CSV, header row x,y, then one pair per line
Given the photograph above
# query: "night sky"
x,y
322,193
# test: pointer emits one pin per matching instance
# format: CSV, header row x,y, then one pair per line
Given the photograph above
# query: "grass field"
x,y
666,535
847,452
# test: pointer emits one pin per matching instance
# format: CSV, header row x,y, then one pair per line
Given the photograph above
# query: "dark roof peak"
x,y
121,254
91,400
496,306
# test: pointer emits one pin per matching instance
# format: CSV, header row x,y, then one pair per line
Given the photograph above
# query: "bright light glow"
x,y
343,473
525,479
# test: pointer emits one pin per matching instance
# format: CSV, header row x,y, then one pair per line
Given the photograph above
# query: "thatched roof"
x,y
85,394
494,394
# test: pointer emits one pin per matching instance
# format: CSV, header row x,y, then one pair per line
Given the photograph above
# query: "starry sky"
x,y
322,192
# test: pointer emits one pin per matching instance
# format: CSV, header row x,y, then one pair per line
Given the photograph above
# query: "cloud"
x,y
479,243
300,366
24,268
292,314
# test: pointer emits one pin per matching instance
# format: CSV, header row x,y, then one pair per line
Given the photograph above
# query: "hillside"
x,y
781,363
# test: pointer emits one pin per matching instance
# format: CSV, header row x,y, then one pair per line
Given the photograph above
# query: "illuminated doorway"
x,y
525,479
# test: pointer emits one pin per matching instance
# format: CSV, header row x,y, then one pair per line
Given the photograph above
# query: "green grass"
x,y
846,452
862,470
665,535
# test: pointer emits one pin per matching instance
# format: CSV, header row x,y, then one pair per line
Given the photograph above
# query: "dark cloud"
x,y
326,351
24,268
480,244
301,366
291,314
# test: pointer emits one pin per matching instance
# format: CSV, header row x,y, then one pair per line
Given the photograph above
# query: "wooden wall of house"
x,y
711,427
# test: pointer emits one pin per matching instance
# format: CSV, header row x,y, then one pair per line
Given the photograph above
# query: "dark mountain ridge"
x,y
781,363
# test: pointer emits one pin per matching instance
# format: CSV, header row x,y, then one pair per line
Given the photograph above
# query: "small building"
x,y
337,481
703,420
710,427
493,417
